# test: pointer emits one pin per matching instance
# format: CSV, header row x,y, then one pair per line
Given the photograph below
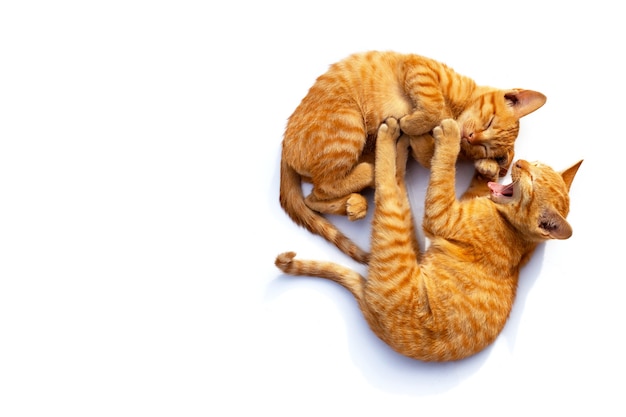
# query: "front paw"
x,y
389,129
448,134
406,124
418,123
489,169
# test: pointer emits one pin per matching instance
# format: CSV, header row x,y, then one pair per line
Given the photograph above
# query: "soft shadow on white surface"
x,y
382,367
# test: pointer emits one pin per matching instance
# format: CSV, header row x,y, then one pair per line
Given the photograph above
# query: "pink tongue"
x,y
499,189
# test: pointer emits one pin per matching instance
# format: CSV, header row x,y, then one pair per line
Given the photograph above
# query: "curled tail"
x,y
292,201
348,278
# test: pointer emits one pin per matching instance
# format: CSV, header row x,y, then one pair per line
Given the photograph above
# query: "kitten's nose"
x,y
468,136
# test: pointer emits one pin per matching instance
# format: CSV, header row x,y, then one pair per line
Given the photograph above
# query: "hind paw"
x,y
356,207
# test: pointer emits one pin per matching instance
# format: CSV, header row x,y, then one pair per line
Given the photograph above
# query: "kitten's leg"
x,y
393,284
424,90
420,122
336,185
353,205
402,149
392,223
386,174
402,156
338,193
441,213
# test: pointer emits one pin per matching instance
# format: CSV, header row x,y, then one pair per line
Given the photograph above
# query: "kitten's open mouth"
x,y
499,190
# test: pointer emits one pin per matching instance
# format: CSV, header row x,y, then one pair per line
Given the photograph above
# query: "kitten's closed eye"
x,y
489,123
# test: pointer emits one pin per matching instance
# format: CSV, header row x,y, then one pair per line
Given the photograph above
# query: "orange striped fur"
x,y
329,139
452,300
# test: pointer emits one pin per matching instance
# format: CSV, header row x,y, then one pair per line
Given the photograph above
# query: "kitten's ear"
x,y
524,102
554,226
569,173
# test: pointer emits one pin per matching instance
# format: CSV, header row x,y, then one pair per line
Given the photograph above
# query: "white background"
x,y
139,216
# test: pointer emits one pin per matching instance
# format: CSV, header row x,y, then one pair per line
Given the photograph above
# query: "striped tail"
x,y
292,201
348,278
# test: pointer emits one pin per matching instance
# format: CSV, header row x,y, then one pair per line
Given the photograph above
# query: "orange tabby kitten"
x,y
453,300
329,139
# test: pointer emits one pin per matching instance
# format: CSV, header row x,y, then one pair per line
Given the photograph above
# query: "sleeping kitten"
x,y
330,137
453,300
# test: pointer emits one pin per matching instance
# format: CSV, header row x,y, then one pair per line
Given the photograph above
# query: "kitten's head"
x,y
490,124
537,201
